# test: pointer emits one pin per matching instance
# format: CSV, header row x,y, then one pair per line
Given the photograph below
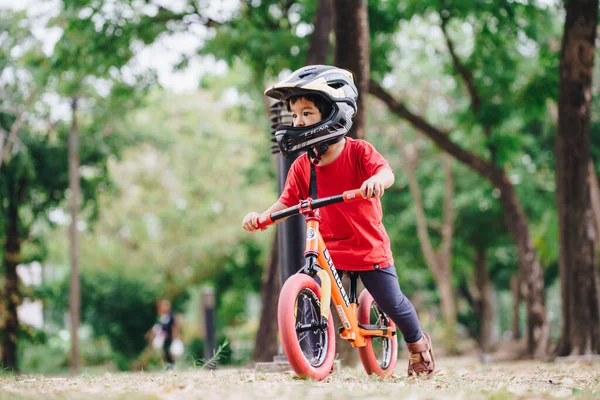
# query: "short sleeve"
x,y
296,184
370,159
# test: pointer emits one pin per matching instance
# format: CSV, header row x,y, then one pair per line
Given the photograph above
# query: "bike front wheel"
x,y
380,355
308,345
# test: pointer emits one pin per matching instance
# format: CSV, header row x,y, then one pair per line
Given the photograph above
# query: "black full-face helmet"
x,y
336,86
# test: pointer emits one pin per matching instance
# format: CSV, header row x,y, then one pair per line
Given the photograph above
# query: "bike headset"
x,y
336,86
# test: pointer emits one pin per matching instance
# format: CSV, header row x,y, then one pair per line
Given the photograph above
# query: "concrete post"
x,y
208,306
292,231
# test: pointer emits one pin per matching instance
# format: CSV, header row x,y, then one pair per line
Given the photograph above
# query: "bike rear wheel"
x,y
380,355
309,347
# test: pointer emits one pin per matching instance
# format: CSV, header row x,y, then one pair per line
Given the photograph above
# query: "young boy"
x,y
322,100
165,331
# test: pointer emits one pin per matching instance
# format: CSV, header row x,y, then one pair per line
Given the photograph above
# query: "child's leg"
x,y
167,351
383,286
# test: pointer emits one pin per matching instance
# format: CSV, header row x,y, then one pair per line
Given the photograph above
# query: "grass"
x,y
461,378
6,372
213,361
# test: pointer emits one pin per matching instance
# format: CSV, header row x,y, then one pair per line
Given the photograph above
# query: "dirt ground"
x,y
460,378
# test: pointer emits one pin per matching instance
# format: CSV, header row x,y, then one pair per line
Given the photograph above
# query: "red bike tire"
x,y
287,328
367,353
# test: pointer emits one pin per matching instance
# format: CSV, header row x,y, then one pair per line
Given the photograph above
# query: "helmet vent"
x,y
335,85
336,127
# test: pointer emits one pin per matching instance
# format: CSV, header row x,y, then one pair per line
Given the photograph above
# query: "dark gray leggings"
x,y
385,289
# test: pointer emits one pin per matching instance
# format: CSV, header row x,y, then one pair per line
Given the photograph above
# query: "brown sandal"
x,y
420,358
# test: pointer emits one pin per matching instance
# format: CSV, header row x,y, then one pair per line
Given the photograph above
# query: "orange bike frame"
x,y
331,287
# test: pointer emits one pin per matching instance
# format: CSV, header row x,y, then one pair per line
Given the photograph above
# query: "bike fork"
x,y
312,269
311,253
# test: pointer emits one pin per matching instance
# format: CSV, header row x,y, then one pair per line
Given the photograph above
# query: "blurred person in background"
x,y
164,331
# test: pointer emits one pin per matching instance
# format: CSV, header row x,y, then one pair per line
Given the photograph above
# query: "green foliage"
x,y
32,335
240,274
40,159
53,355
176,204
384,20
170,219
34,186
41,166
119,306
99,40
87,66
510,50
282,26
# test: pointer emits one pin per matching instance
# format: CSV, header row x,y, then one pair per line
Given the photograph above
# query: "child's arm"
x,y
376,185
250,222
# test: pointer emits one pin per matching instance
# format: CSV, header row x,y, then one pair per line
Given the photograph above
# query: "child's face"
x,y
305,113
164,306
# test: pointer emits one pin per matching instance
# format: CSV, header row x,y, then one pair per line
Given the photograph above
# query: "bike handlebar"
x,y
346,197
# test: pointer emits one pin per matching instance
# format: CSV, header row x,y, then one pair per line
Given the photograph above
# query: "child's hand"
x,y
250,222
372,188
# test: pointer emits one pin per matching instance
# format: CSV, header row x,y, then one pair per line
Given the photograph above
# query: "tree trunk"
x,y
515,218
580,317
74,186
444,253
12,255
438,261
446,291
352,53
515,288
265,347
443,281
595,199
486,301
319,40
530,268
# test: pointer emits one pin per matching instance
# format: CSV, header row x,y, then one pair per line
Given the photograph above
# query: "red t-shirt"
x,y
353,232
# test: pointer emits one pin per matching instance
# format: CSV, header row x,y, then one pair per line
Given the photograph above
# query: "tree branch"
x,y
2,137
12,137
467,77
595,195
448,224
439,137
464,73
14,129
409,161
